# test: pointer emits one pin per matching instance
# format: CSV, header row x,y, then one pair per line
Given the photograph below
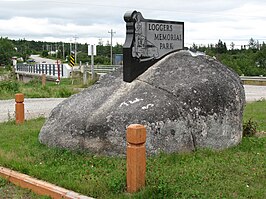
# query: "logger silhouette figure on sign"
x,y
143,49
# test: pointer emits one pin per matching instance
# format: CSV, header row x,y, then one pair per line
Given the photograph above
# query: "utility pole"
x,y
56,49
63,51
70,47
92,62
111,45
75,37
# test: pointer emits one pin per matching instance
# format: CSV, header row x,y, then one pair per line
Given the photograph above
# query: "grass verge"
x,y
238,172
34,88
253,82
256,112
5,70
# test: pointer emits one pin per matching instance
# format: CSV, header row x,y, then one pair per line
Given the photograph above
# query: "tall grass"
x,y
5,70
8,88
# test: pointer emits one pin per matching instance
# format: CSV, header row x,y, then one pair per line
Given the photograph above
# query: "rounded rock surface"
x,y
184,102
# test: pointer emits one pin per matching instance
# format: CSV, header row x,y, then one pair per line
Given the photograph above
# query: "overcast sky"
x,y
206,21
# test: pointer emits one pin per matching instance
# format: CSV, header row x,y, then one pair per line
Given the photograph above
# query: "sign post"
x,y
58,70
147,41
92,52
72,59
85,74
72,63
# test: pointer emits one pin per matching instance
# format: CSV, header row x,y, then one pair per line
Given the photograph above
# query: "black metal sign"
x,y
147,41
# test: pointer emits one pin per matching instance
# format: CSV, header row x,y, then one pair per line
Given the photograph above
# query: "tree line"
x,y
249,60
23,48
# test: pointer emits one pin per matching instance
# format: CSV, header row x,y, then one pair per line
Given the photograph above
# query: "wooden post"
x,y
19,98
92,62
43,80
136,157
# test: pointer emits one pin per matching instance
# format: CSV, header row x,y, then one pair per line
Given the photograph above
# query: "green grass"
x,y
238,172
88,174
256,112
34,88
4,71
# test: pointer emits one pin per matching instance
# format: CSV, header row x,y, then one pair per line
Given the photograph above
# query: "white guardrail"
x,y
99,69
64,70
53,70
253,78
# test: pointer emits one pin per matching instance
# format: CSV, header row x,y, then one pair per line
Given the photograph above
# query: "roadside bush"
x,y
34,82
9,86
249,128
38,92
64,92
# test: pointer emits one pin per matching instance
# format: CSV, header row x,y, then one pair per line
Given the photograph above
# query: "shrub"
x,y
34,82
249,128
64,92
10,86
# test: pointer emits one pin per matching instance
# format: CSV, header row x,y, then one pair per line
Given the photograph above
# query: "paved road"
x,y
33,107
255,93
42,106
39,59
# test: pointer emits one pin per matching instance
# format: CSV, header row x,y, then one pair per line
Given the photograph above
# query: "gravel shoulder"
x,y
36,107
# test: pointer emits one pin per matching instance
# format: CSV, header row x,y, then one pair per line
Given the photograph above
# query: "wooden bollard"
x,y
136,157
19,98
43,80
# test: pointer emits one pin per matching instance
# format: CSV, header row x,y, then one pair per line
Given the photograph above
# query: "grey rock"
x,y
185,103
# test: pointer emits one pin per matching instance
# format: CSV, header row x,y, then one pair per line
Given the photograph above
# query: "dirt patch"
x,y
261,134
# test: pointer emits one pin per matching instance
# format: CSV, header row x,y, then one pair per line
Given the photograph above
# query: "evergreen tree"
x,y
221,47
232,46
252,43
7,50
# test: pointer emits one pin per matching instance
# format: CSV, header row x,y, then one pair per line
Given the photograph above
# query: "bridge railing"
x,y
62,70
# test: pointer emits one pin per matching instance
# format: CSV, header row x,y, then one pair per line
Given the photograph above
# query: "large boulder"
x,y
186,102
